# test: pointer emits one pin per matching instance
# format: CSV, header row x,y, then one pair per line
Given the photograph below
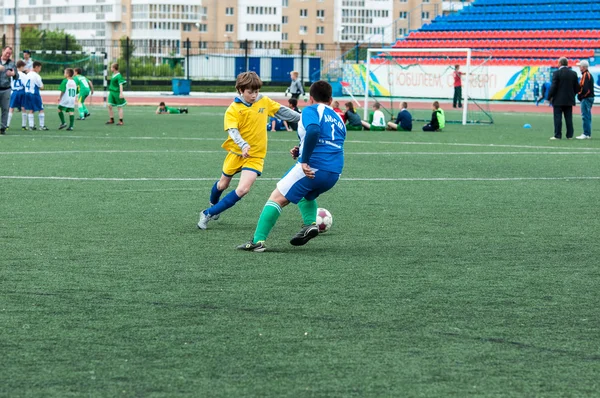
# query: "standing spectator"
x,y
457,100
438,119
295,88
565,86
586,97
28,61
7,70
403,121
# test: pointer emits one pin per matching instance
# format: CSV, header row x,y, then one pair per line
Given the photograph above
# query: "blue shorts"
x,y
33,102
295,185
17,99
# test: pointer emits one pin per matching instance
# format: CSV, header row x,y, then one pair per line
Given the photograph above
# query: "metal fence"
x,y
155,64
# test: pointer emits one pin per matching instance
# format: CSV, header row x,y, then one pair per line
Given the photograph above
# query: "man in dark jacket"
x,y
586,97
7,70
565,86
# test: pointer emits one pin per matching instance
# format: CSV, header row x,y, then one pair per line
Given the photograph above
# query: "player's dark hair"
x,y
350,106
456,66
436,105
78,70
69,72
405,105
293,102
321,91
115,66
377,105
162,104
36,64
248,81
20,64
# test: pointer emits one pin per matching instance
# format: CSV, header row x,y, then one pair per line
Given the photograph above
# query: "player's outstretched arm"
x,y
285,113
91,86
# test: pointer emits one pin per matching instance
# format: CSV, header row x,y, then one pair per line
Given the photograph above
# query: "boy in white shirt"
x,y
33,98
377,123
66,101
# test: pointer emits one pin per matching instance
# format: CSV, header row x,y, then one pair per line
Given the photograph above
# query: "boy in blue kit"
x,y
320,162
33,98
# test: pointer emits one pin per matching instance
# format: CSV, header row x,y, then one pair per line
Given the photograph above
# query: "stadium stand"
x,y
511,32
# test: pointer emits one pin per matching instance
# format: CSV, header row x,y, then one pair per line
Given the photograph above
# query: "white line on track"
x,y
118,151
56,178
294,140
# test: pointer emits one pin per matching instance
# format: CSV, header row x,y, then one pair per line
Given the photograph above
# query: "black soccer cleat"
x,y
44,128
306,233
62,126
249,246
70,129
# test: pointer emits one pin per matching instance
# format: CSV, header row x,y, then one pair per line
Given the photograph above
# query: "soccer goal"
x,y
94,65
421,75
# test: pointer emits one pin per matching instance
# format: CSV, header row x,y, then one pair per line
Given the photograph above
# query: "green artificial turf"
x,y
459,263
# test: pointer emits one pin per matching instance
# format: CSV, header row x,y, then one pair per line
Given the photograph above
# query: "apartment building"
x,y
163,25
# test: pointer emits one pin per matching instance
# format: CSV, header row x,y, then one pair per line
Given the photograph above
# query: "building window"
x,y
320,47
303,13
303,30
228,45
425,15
124,27
320,30
229,11
187,27
202,27
229,28
202,44
284,20
320,13
284,37
285,3
403,15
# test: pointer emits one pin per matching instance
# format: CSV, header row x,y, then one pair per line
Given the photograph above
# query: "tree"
x,y
35,39
126,50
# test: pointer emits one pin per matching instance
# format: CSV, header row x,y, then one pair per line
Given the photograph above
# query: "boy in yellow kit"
x,y
245,121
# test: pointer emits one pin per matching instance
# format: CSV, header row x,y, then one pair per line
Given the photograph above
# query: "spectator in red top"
x,y
336,108
457,100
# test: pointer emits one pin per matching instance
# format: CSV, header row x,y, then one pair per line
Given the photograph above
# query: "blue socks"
x,y
215,194
228,201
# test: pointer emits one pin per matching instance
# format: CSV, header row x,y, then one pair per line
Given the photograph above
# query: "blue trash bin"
x,y
181,86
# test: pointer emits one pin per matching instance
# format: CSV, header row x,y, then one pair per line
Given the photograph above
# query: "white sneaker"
x,y
204,219
583,137
554,138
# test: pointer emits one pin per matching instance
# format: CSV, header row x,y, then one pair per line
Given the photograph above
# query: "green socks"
x,y
71,120
308,209
267,220
82,110
62,117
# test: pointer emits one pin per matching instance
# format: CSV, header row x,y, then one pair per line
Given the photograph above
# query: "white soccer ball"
x,y
324,220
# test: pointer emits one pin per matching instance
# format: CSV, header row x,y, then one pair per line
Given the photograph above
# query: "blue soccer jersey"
x,y
328,154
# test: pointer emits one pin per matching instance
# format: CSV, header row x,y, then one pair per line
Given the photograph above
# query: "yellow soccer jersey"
x,y
251,121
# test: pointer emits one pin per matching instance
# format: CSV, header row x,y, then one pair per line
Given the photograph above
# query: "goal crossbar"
x,y
390,51
103,54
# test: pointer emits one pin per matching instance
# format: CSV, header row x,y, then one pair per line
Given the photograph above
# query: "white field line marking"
x,y
55,178
294,140
118,151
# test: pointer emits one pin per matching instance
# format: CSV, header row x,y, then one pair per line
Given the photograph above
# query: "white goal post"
x,y
391,51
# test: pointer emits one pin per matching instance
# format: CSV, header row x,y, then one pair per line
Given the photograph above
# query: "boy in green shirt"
x,y
115,95
86,88
163,109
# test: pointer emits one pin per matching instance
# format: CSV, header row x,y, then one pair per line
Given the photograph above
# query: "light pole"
x,y
17,30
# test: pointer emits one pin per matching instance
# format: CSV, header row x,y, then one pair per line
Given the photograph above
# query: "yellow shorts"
x,y
234,163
